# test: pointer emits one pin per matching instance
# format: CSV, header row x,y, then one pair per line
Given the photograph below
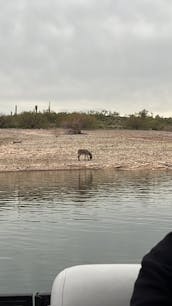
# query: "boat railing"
x,y
38,299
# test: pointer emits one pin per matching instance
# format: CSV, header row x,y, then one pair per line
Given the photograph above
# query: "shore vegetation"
x,y
78,121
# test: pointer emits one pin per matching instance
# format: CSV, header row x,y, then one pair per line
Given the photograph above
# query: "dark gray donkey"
x,y
84,152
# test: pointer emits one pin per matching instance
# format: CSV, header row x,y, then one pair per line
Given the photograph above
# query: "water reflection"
x,y
50,220
46,186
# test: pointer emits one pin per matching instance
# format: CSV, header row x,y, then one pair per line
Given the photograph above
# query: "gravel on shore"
x,y
27,150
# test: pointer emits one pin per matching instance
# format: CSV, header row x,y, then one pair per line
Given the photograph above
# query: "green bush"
x,y
90,120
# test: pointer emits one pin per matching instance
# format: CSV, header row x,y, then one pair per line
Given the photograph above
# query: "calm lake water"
x,y
52,220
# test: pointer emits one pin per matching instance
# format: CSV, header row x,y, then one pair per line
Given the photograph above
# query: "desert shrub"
x,y
30,120
78,121
7,122
134,122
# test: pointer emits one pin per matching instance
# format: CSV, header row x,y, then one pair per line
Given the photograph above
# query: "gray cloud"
x,y
86,54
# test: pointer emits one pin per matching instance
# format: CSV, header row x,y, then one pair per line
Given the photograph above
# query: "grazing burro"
x,y
86,153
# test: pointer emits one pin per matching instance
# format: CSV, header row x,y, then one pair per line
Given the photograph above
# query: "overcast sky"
x,y
86,55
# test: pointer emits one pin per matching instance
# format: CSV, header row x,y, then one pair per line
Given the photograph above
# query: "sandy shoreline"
x,y
28,150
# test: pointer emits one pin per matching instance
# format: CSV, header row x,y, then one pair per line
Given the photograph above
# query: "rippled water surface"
x,y
51,220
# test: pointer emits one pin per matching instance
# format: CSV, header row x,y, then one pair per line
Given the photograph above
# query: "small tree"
x,y
143,114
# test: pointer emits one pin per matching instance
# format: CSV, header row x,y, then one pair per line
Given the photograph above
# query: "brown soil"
x,y
23,150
